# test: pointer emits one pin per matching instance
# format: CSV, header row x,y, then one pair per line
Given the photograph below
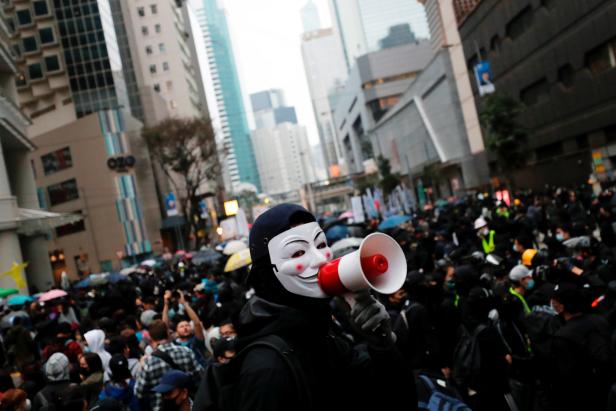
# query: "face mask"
x,y
514,248
530,284
483,232
560,237
84,371
451,284
296,256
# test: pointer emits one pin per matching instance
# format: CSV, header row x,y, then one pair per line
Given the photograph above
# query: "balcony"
x,y
7,60
9,213
13,124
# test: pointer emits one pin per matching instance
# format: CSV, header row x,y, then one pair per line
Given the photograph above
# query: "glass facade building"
x,y
240,158
92,55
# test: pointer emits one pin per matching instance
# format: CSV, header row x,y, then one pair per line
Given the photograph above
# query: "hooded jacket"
x,y
338,375
96,343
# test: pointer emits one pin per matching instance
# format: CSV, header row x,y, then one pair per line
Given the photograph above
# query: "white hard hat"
x,y
480,223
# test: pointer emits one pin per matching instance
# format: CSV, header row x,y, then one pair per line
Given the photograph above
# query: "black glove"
x,y
372,321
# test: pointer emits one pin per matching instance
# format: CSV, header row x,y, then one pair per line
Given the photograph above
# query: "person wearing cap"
x,y
583,359
174,388
121,385
155,366
521,282
287,248
57,372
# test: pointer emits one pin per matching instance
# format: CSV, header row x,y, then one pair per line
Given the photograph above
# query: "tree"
x,y
185,148
504,135
389,181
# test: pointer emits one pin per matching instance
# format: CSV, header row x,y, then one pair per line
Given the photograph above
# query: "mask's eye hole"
x,y
322,245
298,253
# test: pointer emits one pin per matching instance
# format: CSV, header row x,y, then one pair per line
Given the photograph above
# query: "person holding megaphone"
x,y
290,356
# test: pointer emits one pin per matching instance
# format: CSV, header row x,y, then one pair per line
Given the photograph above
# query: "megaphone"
x,y
378,264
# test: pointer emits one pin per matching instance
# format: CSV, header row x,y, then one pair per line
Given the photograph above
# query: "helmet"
x,y
480,223
527,257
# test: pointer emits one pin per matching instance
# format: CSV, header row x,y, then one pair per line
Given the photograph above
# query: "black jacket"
x,y
339,376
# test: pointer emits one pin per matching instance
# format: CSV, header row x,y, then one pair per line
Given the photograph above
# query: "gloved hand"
x,y
372,321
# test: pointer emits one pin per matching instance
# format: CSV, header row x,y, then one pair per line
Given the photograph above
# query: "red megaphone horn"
x,y
379,264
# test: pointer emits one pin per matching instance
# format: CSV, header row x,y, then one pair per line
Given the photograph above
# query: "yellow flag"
x,y
15,274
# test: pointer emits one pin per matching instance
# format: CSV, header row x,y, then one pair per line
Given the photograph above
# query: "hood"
x,y
56,367
260,317
95,340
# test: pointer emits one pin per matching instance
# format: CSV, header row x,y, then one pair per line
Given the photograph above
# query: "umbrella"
x,y
20,299
206,256
85,283
180,252
52,295
238,260
345,215
341,247
233,247
9,320
114,278
128,270
336,232
148,263
5,292
393,222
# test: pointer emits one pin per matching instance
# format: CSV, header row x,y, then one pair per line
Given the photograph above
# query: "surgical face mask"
x,y
484,232
296,256
27,405
450,284
530,284
514,248
560,237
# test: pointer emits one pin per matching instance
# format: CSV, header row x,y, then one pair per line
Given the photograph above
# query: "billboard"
x,y
483,76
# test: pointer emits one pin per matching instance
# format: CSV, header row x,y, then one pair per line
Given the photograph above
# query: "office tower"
x,y
269,109
310,17
362,24
90,158
239,162
325,69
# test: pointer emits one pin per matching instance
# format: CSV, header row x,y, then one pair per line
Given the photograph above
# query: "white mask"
x,y
297,254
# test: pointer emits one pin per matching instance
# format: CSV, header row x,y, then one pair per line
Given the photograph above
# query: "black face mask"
x,y
170,404
84,371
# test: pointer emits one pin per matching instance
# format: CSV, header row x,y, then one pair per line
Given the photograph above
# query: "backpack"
x,y
218,389
439,398
51,402
467,357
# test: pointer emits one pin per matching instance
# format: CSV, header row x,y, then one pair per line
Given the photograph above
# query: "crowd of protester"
x,y
504,307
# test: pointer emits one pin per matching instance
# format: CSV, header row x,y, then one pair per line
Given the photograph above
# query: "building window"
x,y
157,88
165,66
157,28
24,17
46,35
63,192
35,71
520,23
17,50
40,8
566,76
495,43
602,58
153,68
535,93
20,80
161,47
57,161
148,50
144,30
68,229
141,11
29,44
11,25
52,63
153,8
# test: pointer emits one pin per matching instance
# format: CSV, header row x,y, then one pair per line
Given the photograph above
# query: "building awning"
x,y
39,221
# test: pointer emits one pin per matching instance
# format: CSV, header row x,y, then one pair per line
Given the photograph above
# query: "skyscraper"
x,y
269,109
239,163
90,158
325,68
310,17
361,24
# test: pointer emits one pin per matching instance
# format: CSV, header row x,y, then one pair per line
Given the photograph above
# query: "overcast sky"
x,y
267,39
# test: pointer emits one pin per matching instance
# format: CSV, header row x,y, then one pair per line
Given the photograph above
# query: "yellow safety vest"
x,y
513,292
488,246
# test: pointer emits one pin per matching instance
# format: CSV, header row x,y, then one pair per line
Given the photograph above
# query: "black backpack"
x,y
467,357
218,389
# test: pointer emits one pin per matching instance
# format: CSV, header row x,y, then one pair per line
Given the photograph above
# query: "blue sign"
x,y
483,76
171,205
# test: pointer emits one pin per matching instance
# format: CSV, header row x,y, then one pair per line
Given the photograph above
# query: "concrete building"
x,y
284,158
160,47
310,17
375,84
325,69
362,24
71,83
559,59
239,159
23,227
269,109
